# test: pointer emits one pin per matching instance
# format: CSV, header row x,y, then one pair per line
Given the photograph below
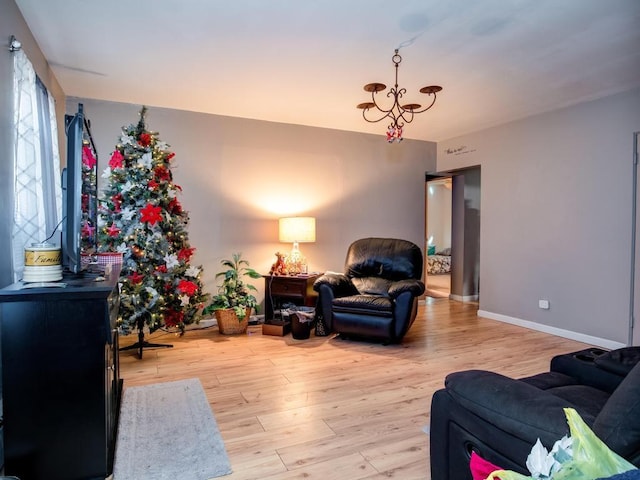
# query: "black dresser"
x,y
60,378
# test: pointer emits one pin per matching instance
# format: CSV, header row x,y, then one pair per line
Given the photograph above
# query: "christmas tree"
x,y
141,217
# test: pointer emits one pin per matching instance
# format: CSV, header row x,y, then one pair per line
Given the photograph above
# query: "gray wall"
x,y
12,23
238,176
556,216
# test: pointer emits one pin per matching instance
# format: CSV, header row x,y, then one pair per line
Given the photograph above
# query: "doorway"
x,y
460,250
438,237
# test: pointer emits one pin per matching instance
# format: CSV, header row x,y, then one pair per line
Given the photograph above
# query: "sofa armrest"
x,y
416,287
513,406
339,284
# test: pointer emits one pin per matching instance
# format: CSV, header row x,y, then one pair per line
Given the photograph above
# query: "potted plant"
x,y
234,301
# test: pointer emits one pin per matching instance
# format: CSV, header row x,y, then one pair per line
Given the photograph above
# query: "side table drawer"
x,y
288,287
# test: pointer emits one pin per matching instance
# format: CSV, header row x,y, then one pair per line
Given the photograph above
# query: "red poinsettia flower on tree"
x,y
113,231
88,158
187,287
144,139
170,156
162,173
174,206
150,214
185,254
87,230
161,268
117,202
135,278
173,318
152,184
116,160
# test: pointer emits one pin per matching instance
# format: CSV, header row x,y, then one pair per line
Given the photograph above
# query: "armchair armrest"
x,y
416,287
515,407
339,283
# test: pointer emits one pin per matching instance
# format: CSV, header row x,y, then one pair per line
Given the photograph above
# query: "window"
x,y
36,187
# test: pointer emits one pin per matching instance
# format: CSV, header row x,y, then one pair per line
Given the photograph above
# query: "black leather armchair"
x,y
377,295
501,418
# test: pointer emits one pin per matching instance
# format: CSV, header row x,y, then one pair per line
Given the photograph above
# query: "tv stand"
x,y
60,378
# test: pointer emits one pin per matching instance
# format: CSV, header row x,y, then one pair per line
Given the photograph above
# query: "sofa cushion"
x,y
513,406
588,400
618,424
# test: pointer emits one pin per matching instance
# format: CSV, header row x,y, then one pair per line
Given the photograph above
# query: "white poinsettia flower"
x,y
127,186
106,173
122,248
162,145
146,160
184,300
192,271
151,291
127,214
171,193
171,261
126,139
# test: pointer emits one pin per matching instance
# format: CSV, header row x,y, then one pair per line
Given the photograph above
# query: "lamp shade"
x,y
297,229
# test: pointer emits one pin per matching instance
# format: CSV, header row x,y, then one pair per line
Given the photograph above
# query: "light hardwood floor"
x,y
332,409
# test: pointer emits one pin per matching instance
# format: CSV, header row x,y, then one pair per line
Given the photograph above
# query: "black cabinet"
x,y
60,378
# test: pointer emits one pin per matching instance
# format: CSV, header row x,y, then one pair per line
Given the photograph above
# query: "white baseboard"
x,y
464,298
578,337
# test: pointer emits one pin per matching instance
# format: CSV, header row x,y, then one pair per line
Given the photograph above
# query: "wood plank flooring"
x,y
332,409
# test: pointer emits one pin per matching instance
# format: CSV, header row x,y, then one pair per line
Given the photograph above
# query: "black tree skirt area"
x,y
141,344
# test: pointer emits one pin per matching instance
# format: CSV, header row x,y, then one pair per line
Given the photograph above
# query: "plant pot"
x,y
228,322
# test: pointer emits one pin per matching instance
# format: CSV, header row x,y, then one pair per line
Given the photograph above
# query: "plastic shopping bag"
x,y
591,460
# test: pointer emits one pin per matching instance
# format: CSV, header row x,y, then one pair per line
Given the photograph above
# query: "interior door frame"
x,y
465,262
634,301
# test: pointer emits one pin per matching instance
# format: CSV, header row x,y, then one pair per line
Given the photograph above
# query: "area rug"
x,y
167,431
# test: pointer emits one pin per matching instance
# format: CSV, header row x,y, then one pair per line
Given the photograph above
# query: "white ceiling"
x,y
305,62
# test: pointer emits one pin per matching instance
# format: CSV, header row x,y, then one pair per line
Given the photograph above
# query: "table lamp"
x,y
296,230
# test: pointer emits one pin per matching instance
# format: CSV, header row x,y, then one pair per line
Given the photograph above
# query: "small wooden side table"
x,y
279,289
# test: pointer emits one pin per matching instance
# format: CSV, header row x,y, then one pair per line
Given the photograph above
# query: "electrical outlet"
x,y
543,304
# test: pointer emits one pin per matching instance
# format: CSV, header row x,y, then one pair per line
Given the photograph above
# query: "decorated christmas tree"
x,y
141,217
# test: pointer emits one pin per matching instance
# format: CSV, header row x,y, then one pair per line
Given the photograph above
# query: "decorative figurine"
x,y
279,268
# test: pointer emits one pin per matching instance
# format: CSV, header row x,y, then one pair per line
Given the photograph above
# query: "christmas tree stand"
x,y
141,344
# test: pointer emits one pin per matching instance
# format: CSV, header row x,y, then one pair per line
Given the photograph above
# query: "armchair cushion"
x,y
388,258
372,285
367,304
338,282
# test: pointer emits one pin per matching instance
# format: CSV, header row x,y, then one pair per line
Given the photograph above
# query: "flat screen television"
x,y
78,194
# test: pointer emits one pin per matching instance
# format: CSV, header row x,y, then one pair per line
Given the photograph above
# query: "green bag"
x,y
592,459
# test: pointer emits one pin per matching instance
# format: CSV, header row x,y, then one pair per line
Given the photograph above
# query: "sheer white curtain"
x,y
37,192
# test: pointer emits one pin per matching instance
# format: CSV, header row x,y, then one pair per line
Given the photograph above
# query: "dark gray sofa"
x,y
501,418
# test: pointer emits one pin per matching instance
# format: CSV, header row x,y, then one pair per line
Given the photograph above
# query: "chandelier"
x,y
398,114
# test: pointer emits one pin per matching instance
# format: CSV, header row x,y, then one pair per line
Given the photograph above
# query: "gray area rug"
x,y
167,431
